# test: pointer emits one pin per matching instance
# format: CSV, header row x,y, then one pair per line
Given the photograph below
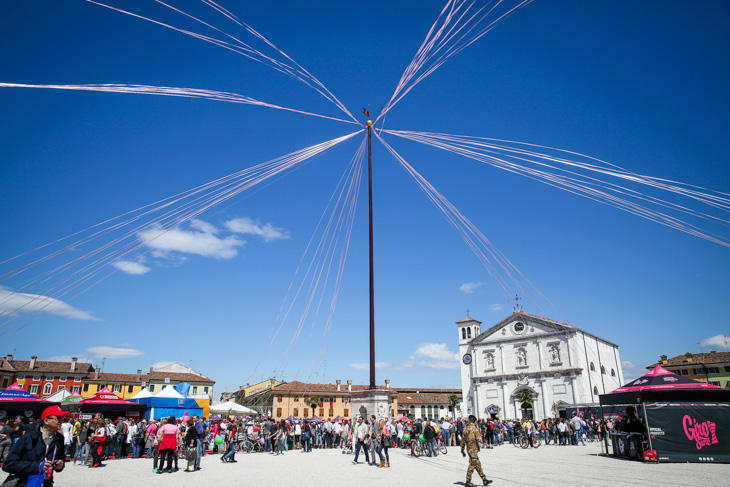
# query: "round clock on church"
x,y
466,358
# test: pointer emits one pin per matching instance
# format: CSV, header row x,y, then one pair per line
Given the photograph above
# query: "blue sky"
x,y
639,84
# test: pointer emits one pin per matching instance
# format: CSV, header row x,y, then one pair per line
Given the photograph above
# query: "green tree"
x,y
524,395
313,402
453,400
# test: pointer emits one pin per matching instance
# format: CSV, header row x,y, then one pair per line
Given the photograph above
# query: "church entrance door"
x,y
526,408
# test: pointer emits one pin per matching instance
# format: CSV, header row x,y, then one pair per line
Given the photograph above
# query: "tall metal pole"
x,y
369,124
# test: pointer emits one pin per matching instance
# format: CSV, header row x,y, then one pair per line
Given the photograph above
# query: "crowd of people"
x,y
93,441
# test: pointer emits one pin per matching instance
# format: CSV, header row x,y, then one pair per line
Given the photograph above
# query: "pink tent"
x,y
15,393
660,379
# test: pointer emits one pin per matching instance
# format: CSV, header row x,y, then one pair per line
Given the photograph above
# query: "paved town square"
x,y
506,465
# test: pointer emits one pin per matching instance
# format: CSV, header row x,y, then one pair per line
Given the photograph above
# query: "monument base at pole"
x,y
371,402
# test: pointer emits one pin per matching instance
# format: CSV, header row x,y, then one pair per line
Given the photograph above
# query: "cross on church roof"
x,y
467,312
518,306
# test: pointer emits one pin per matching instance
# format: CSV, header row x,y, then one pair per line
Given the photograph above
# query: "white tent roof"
x,y
230,408
59,396
142,394
170,392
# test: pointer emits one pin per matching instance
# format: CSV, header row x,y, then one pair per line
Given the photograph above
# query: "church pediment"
x,y
521,325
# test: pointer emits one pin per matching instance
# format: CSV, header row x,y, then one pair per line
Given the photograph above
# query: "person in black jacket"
x,y
41,445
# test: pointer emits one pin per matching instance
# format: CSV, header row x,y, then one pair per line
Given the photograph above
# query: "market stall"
x,y
15,401
107,403
684,420
167,402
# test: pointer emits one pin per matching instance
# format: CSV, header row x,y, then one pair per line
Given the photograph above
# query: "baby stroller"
x,y
347,448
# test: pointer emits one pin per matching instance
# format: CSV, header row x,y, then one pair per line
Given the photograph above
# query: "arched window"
x,y
593,367
603,369
595,390
613,373
47,388
463,333
296,412
468,332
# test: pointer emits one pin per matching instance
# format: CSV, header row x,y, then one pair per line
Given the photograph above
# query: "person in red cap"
x,y
39,451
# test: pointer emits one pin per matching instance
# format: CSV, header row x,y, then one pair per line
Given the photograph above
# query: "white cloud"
x,y
433,356
366,367
104,351
495,307
190,242
203,226
470,287
130,267
632,370
248,226
15,303
718,342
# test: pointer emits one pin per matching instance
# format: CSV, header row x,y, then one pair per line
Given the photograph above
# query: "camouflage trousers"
x,y
474,463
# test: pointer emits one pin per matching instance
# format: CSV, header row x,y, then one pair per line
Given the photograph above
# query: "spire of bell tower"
x,y
517,306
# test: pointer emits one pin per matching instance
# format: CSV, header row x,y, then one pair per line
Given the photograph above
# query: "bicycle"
x,y
440,446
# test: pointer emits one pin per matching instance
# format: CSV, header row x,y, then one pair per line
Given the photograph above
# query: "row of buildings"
x,y
712,367
304,400
44,378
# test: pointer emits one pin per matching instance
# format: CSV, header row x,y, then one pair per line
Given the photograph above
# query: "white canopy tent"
x,y
170,393
141,394
230,408
58,396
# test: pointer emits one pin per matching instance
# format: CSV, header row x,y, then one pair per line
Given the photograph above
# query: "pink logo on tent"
x,y
702,433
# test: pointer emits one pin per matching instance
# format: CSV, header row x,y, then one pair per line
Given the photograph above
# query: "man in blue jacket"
x,y
39,450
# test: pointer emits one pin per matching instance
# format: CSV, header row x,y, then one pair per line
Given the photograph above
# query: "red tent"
x,y
105,396
661,379
105,401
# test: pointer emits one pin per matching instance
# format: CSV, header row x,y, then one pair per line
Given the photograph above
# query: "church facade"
x,y
530,366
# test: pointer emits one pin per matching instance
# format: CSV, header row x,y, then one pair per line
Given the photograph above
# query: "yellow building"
x,y
712,368
123,385
128,385
332,400
247,390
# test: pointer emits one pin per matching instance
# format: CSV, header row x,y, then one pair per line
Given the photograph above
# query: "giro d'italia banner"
x,y
690,432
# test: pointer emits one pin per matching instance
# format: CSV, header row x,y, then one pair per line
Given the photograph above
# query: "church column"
x,y
572,387
505,412
543,391
501,358
477,402
567,349
539,355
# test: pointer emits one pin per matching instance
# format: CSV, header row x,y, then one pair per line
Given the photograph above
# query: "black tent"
x,y
686,421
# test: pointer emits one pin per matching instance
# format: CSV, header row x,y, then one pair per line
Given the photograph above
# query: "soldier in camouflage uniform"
x,y
470,441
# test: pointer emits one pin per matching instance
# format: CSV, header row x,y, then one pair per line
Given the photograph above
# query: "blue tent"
x,y
168,402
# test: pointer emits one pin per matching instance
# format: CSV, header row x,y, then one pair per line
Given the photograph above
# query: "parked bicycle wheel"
x,y
442,449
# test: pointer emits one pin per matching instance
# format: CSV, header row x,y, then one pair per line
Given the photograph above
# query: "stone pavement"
x,y
548,466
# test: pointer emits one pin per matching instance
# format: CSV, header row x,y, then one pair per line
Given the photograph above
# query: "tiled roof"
x,y
697,359
427,396
296,386
448,392
5,365
155,375
405,398
53,367
112,377
468,319
152,376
